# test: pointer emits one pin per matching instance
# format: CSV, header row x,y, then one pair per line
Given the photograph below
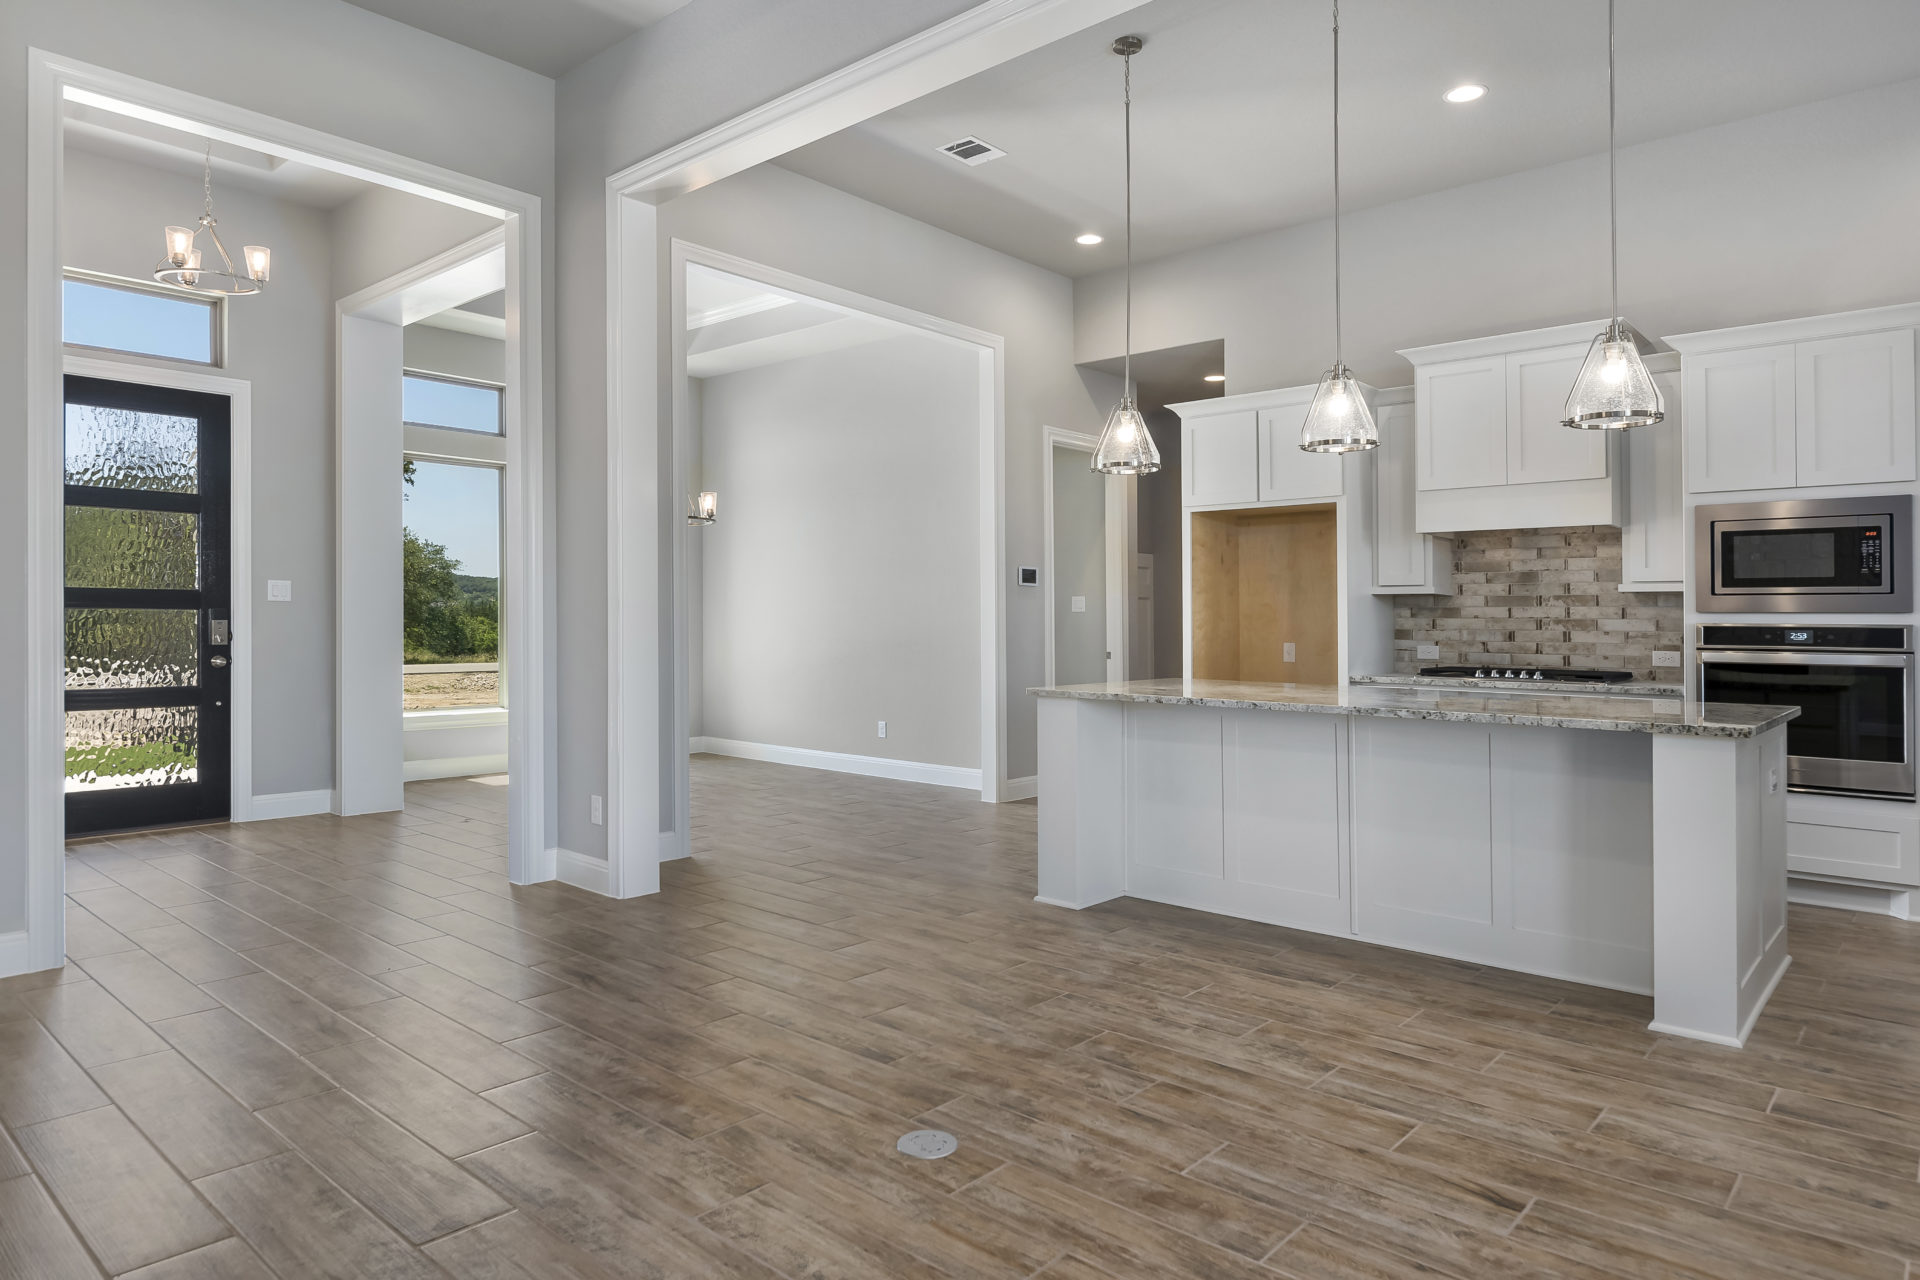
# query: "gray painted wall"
x,y
455,354
1795,213
320,63
383,232
1079,569
281,341
841,585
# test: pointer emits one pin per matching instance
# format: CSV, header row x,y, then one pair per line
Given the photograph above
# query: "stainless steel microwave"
x,y
1818,555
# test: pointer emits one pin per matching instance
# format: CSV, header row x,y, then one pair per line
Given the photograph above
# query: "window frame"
x,y
500,401
215,306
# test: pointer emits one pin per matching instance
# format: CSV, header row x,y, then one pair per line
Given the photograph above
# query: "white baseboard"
x,y
15,955
1898,903
1021,788
671,847
452,767
939,775
580,871
289,804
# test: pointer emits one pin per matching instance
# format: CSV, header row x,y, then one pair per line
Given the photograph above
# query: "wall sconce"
x,y
703,507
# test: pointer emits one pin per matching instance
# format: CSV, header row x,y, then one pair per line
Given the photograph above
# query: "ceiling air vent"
x,y
972,151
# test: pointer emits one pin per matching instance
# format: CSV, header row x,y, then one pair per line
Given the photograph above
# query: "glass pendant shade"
x,y
184,266
1614,389
1339,420
1126,446
179,245
259,260
703,507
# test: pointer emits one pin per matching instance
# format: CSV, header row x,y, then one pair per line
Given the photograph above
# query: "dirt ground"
x,y
433,691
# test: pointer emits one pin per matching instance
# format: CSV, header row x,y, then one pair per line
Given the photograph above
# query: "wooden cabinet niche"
x,y
1262,580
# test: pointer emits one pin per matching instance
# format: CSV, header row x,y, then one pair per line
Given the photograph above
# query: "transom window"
x,y
434,400
109,314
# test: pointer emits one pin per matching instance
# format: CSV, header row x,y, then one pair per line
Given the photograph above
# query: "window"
x,y
146,320
451,585
430,400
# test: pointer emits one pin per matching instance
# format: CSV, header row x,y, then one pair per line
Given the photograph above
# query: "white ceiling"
x,y
1232,118
548,36
122,137
734,323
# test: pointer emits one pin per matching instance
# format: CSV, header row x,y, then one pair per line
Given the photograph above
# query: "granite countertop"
x,y
1637,687
1613,712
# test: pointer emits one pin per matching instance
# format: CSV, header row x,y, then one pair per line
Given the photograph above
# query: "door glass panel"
x,y
1846,713
110,547
128,449
132,747
132,648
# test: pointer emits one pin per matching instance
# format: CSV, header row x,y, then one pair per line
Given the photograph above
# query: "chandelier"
x,y
185,267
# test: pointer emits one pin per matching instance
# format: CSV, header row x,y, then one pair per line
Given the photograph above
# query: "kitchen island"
x,y
1637,843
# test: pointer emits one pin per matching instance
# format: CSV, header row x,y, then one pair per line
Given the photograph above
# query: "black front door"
x,y
147,596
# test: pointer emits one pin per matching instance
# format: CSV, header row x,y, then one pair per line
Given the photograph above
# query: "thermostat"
x,y
1029,576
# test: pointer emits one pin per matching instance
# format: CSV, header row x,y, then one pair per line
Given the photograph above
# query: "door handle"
x,y
218,660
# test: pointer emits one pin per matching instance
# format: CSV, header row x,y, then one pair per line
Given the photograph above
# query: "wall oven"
x,y
1854,688
1822,555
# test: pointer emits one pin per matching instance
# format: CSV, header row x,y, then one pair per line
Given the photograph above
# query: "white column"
x,y
1719,883
1082,802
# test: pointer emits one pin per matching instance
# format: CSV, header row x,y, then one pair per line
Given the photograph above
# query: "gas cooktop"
x,y
1571,675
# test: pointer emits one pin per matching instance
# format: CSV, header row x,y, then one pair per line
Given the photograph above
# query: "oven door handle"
x,y
1801,658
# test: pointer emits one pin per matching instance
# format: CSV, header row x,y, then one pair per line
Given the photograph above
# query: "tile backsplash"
x,y
1540,598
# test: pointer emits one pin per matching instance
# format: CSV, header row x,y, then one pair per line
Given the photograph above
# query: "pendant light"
x,y
703,507
1339,420
184,266
1126,446
1614,389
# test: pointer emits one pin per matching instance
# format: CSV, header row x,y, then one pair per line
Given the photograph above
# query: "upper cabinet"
x,y
1404,562
1653,536
1801,403
1243,450
1490,452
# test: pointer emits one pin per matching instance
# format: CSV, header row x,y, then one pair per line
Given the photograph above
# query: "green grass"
x,y
117,761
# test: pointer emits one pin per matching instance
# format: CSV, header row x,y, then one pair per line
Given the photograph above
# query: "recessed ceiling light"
x,y
1089,237
1215,377
1465,93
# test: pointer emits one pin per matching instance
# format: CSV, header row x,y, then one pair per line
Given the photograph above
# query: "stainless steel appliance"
x,y
1818,555
1854,688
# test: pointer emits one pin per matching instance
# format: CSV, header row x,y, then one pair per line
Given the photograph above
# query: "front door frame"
x,y
239,396
530,619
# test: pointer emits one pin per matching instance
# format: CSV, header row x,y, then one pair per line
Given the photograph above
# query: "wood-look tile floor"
x,y
346,1048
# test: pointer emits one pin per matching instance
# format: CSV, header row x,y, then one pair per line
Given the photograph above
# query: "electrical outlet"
x,y
1666,657
596,811
1079,604
1431,651
1286,652
883,729
279,589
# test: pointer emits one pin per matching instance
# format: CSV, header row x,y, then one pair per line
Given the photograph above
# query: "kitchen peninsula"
x,y
1637,843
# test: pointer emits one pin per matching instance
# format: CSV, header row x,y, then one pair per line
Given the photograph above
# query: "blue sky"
x,y
459,508
126,320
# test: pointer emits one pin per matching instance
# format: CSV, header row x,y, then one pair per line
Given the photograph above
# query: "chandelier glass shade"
x,y
1126,447
186,265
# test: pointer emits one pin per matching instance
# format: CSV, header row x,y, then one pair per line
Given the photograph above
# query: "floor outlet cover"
x,y
928,1144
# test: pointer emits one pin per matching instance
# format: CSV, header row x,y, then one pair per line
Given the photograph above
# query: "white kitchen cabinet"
x,y
1853,409
1653,536
1288,472
1404,562
1461,423
1853,838
1540,448
1221,458
1827,400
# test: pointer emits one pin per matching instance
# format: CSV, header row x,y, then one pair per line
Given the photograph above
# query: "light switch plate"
x,y
279,589
596,811
1428,651
883,730
1666,657
1079,604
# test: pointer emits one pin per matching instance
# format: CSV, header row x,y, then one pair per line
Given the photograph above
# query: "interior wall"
x,y
1161,512
323,64
455,354
1079,569
382,232
841,585
280,341
1794,213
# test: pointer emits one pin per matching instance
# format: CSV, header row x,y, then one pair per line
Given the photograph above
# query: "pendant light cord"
x,y
206,180
1338,361
1126,109
1613,182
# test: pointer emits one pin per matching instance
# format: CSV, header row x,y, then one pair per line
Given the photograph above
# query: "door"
x,y
1080,642
1460,418
1854,730
1854,409
1288,472
1739,412
1541,449
1221,459
147,627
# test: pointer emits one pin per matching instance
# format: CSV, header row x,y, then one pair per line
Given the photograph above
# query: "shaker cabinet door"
x,y
1854,409
1540,449
1460,419
1286,470
1653,536
1739,410
1221,462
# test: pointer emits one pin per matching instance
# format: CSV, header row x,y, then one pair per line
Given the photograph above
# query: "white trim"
x,y
238,393
453,718
579,870
939,775
456,767
1738,1041
1026,788
53,78
1119,495
982,37
1881,900
290,804
16,952
1800,329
